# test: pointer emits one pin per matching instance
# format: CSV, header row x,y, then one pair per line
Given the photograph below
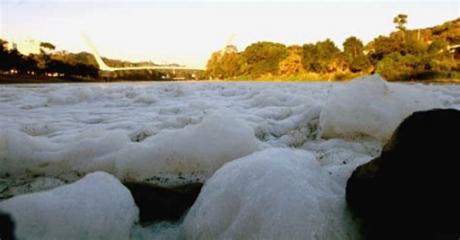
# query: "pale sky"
x,y
188,31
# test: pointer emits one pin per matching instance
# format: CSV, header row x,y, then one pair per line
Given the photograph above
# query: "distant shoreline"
x,y
28,79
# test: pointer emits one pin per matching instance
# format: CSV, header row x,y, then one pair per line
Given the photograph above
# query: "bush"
x,y
396,67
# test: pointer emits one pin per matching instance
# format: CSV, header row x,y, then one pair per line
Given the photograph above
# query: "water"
x,y
170,133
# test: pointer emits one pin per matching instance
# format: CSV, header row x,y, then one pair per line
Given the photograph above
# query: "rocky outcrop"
x,y
7,227
411,190
157,203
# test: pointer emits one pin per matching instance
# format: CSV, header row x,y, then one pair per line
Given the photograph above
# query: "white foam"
x,y
370,106
95,207
272,194
195,151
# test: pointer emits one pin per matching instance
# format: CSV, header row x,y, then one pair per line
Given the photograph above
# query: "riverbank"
x,y
34,79
16,79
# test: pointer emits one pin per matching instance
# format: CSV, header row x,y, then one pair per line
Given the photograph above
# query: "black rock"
x,y
157,203
6,227
412,190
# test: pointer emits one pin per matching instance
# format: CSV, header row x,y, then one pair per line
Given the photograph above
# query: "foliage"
x,y
397,67
400,21
382,46
47,45
292,64
264,58
43,63
213,68
402,55
360,63
232,64
353,47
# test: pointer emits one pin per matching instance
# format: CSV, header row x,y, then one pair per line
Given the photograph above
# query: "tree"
x,y
47,45
329,56
327,49
438,46
396,66
321,57
213,68
3,45
413,44
353,47
292,64
4,56
231,64
310,58
264,57
360,63
382,46
400,22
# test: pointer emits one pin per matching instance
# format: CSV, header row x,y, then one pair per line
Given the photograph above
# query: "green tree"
x,y
322,57
398,67
47,46
413,44
400,21
327,50
213,68
3,45
231,64
264,58
292,64
310,58
353,47
438,46
382,46
360,63
4,56
329,56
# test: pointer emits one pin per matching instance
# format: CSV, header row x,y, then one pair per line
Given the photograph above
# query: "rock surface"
x,y
158,203
6,227
411,190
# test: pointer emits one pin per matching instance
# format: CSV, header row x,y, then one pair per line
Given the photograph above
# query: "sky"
x,y
188,31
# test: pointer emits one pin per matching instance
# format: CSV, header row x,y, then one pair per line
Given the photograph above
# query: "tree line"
x,y
403,55
44,63
67,65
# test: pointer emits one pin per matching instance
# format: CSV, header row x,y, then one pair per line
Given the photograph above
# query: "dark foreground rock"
x,y
6,227
412,190
157,203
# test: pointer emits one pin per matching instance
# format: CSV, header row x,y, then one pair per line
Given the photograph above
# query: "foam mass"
x,y
96,207
370,106
195,151
271,194
170,157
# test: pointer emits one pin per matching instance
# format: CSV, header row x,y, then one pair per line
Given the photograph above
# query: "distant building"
x,y
26,47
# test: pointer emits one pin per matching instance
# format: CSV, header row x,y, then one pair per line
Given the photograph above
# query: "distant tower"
x,y
229,45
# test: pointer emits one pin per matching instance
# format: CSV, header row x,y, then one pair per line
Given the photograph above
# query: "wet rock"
x,y
7,227
411,190
157,203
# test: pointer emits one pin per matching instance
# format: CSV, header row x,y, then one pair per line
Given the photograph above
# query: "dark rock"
x,y
412,190
6,227
157,203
